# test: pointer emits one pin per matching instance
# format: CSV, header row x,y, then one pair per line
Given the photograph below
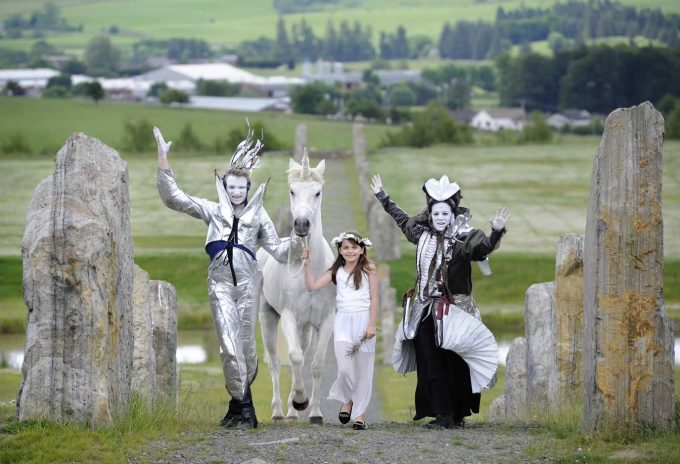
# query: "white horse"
x,y
306,318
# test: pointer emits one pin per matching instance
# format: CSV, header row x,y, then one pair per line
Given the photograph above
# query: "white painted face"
x,y
237,189
441,216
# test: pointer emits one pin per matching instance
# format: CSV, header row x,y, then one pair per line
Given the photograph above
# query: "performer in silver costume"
x,y
235,227
446,246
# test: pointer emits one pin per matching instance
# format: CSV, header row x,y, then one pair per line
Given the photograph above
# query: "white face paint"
x,y
237,189
441,216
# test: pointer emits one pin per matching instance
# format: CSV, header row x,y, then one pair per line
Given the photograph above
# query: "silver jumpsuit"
x,y
234,282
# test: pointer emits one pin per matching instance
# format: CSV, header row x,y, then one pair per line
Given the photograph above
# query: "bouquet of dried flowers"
x,y
354,349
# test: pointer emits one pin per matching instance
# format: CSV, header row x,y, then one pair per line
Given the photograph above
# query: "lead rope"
x,y
305,242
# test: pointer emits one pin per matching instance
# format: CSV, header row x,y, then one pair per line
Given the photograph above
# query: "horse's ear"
x,y
320,168
292,164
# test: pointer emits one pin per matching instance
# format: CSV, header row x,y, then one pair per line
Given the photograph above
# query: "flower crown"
x,y
349,235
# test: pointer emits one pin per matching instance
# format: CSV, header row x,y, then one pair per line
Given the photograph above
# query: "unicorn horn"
x,y
305,165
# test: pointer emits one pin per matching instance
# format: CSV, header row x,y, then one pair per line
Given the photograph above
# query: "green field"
x,y
222,23
545,186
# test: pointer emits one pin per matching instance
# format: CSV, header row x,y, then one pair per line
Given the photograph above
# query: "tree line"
x,y
598,79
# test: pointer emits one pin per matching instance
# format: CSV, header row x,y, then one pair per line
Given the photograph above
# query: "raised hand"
x,y
163,146
376,183
502,216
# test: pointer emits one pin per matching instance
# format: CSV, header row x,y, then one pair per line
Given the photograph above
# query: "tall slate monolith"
x,y
569,316
77,281
541,356
628,345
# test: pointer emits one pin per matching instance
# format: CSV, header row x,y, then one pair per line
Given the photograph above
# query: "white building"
x,y
33,81
185,77
496,119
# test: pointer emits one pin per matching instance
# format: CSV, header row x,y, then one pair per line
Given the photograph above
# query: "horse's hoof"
x,y
278,418
317,420
291,419
301,406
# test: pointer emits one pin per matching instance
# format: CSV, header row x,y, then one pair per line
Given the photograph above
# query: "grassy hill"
x,y
227,23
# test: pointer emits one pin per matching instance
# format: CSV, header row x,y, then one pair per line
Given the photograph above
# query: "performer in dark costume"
x,y
446,246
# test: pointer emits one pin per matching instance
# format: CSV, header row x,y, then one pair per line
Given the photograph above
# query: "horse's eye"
x,y
318,194
292,194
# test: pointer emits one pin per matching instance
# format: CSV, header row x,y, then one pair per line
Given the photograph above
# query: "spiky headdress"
x,y
245,156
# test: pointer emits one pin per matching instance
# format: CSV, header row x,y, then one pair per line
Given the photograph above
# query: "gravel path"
x,y
381,443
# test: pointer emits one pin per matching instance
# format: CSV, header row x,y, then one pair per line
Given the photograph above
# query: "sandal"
x,y
358,425
343,416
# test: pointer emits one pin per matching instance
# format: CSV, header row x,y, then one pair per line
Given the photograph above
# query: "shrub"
x,y
536,131
138,135
434,125
15,143
188,140
173,96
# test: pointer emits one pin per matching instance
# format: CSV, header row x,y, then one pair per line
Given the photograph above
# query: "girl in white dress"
x,y
354,330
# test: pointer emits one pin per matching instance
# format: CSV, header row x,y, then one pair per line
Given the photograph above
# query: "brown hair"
x,y
363,266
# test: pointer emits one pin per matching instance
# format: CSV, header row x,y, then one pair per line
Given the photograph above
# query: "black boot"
x,y
233,416
248,419
443,421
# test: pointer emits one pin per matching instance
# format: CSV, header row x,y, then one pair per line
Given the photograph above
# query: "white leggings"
x,y
355,378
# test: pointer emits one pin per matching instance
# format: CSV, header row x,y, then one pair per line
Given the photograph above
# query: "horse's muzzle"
x,y
301,227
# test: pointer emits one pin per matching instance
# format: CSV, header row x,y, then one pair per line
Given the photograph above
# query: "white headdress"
x,y
442,189
350,235
245,155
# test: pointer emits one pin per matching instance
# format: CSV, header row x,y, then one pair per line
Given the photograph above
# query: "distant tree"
x,y
56,91
101,57
402,95
13,89
156,89
432,126
667,104
74,66
173,96
217,88
309,99
673,123
94,90
537,130
283,50
458,94
63,80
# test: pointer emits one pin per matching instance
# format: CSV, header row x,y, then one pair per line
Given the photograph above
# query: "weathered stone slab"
x,y
541,360
77,281
143,356
569,316
628,346
516,379
163,306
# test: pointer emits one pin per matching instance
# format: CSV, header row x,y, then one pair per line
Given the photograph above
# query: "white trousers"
x,y
355,378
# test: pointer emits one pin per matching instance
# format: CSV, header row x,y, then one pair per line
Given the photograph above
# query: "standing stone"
x,y
77,282
539,326
381,228
628,345
300,139
516,379
512,404
143,356
569,315
387,312
163,305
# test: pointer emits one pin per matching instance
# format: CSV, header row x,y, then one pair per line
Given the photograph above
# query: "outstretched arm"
x,y
374,290
478,245
408,225
310,282
163,149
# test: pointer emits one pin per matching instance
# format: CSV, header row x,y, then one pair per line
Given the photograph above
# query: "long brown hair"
x,y
363,266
